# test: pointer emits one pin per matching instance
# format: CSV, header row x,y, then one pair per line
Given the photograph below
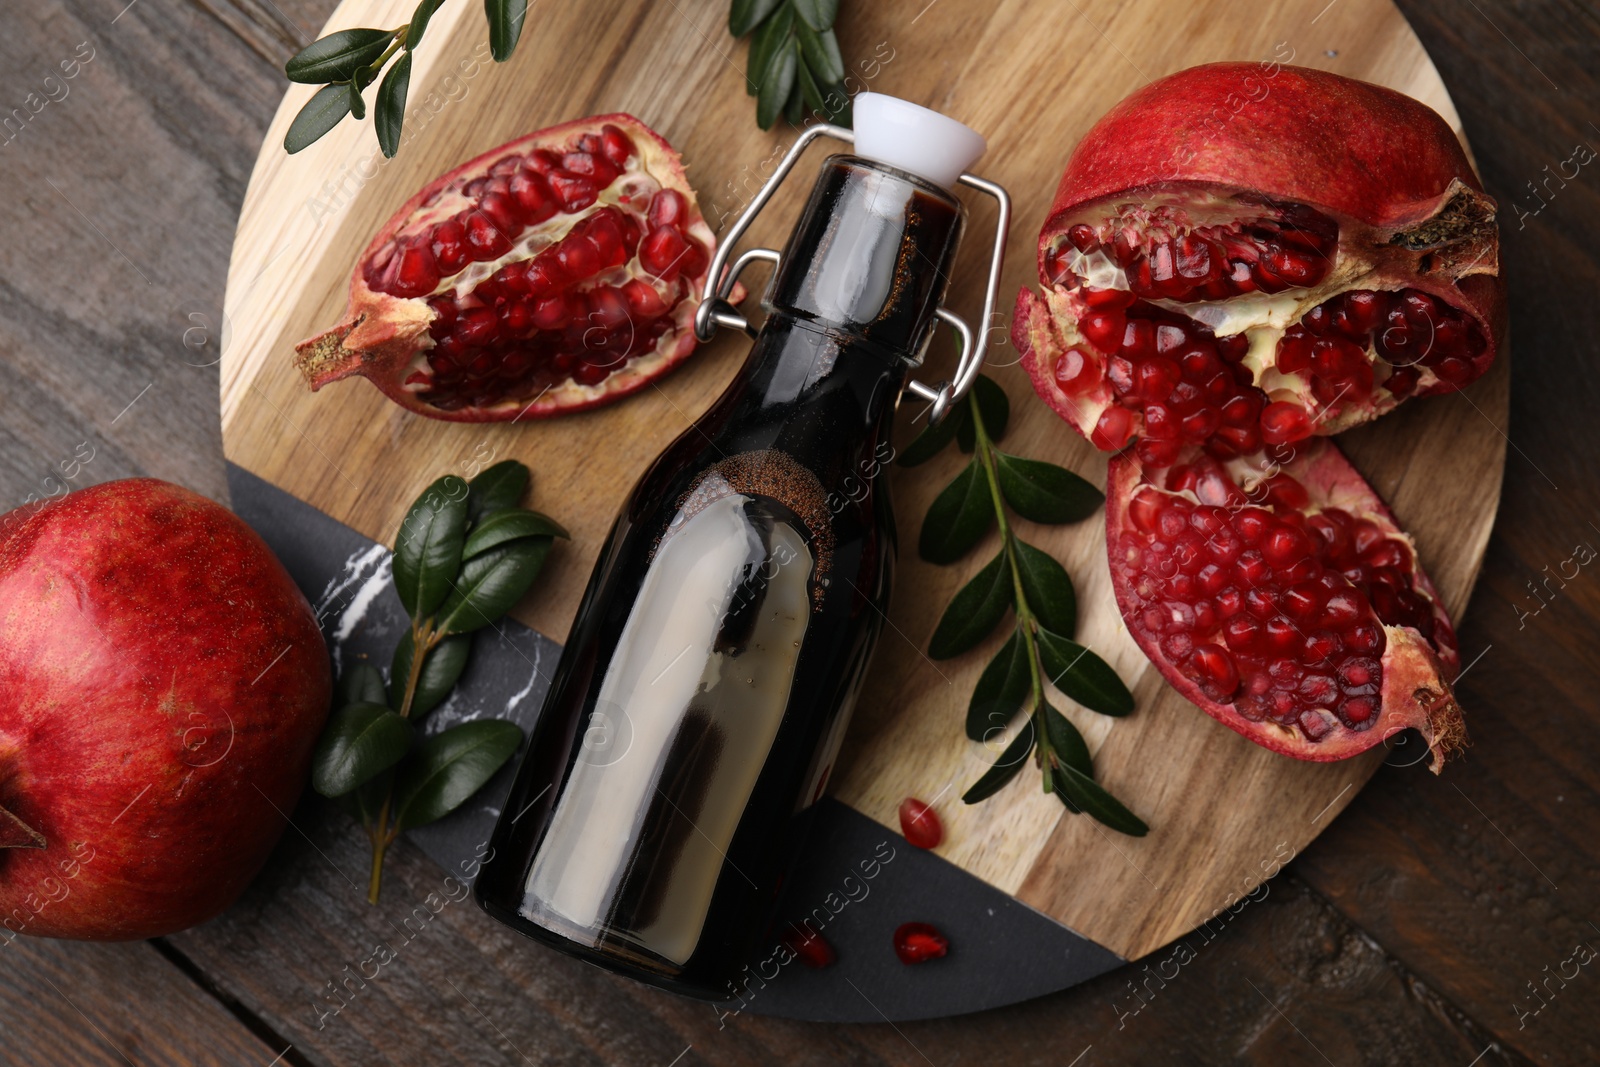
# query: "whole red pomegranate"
x,y
555,273
1280,597
1240,255
162,683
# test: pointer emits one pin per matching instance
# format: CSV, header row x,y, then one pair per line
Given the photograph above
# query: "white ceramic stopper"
x,y
912,138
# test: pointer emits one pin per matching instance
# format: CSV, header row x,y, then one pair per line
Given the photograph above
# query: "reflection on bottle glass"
x,y
703,668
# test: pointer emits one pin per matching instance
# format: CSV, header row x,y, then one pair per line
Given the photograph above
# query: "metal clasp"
x,y
716,309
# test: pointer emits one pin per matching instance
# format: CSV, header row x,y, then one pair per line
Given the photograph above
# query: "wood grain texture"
x,y
1425,920
361,459
62,1002
1488,883
1283,978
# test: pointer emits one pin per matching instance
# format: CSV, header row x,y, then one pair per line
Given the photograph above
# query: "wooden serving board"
x,y
1032,75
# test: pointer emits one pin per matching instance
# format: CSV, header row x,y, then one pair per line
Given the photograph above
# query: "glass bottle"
x,y
709,675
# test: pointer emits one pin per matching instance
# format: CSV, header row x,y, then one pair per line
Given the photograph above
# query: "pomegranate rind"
x,y
1373,154
381,333
1411,211
1415,692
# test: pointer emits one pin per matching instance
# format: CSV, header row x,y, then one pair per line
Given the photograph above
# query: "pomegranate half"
x,y
1242,255
1281,598
162,683
555,273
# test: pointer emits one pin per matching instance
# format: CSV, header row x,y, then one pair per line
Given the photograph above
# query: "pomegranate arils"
x,y
510,330
919,942
1163,259
810,947
1267,603
920,823
1326,255
525,273
1316,631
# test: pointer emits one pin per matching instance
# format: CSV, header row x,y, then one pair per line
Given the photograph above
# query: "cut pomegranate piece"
x,y
919,942
522,284
811,947
1262,279
920,823
1281,598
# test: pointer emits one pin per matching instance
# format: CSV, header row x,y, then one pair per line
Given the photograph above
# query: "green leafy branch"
x,y
346,62
1037,590
465,554
795,63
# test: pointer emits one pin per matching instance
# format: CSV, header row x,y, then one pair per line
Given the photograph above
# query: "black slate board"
x,y
1002,951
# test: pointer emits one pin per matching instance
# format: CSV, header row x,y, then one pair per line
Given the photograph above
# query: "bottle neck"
x,y
871,255
849,311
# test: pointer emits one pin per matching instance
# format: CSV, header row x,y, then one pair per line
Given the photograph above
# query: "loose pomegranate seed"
x,y
920,823
919,942
812,949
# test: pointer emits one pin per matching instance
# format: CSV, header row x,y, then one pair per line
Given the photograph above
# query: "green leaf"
x,y
795,110
1048,588
933,439
497,488
390,114
1082,793
746,15
365,801
994,408
441,670
337,57
491,584
505,526
817,14
764,47
1004,769
358,106
1082,675
778,84
1044,492
419,22
505,26
360,743
327,106
974,612
958,517
361,683
821,53
810,94
1001,689
451,766
838,103
1066,742
427,550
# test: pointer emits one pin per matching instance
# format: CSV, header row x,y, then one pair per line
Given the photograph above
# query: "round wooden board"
x,y
1030,74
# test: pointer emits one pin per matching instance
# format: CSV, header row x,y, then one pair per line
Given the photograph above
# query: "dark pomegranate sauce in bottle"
x,y
725,632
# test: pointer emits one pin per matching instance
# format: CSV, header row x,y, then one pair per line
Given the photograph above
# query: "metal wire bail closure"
x,y
716,310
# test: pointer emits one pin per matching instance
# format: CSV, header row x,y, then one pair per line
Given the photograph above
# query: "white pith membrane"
x,y
630,193
1262,317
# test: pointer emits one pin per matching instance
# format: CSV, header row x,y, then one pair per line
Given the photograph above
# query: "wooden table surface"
x,y
1415,930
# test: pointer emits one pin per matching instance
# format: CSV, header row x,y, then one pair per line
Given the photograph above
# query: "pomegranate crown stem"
x,y
14,833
